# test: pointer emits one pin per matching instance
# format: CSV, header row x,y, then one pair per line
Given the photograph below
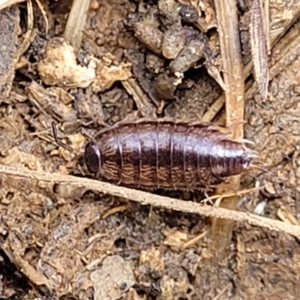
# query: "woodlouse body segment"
x,y
166,154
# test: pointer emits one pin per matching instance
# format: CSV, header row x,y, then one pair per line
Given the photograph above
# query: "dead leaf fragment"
x,y
34,276
9,22
63,96
59,66
176,288
108,281
152,259
16,157
286,215
51,101
108,73
175,238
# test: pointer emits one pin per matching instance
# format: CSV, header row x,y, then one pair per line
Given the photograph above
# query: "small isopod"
x,y
166,153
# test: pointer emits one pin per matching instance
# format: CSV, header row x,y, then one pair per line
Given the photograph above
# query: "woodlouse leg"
x,y
120,151
260,166
156,154
217,202
234,125
209,200
171,154
140,157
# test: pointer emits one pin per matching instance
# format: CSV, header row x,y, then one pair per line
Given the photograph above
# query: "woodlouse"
x,y
168,154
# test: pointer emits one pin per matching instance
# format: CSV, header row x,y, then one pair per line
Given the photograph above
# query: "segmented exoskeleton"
x,y
166,153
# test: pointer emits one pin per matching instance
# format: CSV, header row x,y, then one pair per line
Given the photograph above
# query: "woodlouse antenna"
x,y
259,166
57,141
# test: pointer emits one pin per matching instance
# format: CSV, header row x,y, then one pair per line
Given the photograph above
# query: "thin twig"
x,y
150,199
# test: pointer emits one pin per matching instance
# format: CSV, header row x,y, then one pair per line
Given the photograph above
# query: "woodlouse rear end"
x,y
166,154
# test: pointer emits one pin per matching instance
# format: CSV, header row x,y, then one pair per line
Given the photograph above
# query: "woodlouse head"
x,y
92,157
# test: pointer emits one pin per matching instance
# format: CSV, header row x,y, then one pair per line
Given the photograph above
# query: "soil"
x,y
153,60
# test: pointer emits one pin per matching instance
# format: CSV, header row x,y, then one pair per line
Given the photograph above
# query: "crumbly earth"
x,y
59,243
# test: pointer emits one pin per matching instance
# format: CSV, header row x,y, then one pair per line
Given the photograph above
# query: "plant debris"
x,y
259,47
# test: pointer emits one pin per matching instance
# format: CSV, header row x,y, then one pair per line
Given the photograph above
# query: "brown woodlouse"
x,y
168,154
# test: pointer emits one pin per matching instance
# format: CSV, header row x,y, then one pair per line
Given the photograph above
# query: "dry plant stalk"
x,y
259,47
267,25
149,199
76,22
142,101
227,20
286,50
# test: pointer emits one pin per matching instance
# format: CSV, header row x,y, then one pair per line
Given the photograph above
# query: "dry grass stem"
x,y
227,20
150,199
259,47
285,51
76,22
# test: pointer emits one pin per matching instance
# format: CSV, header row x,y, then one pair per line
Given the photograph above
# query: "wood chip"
x,y
259,47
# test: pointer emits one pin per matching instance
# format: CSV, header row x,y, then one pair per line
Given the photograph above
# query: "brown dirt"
x,y
61,243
